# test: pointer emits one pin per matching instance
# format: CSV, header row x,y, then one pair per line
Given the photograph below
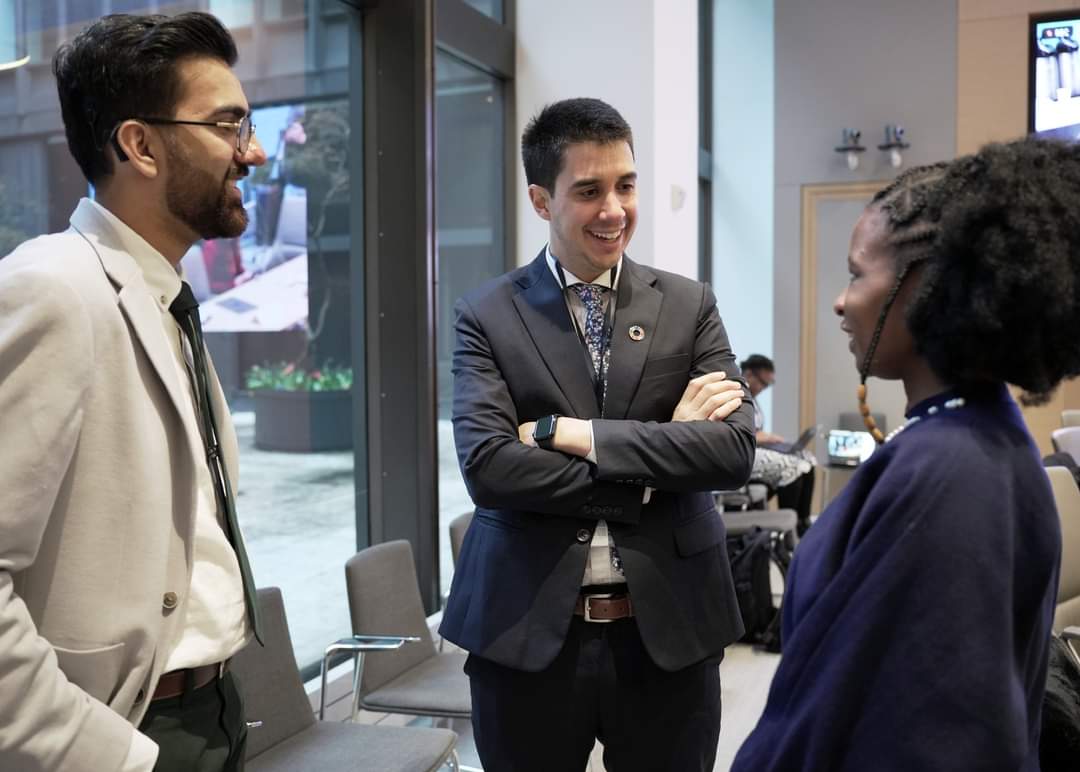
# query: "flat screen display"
x,y
849,448
1054,69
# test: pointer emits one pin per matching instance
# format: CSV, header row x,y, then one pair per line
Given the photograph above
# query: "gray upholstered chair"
x,y
1067,498
384,598
458,526
778,523
1070,417
290,738
1067,440
1071,636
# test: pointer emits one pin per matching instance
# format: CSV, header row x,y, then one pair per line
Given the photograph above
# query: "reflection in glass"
x,y
470,237
492,8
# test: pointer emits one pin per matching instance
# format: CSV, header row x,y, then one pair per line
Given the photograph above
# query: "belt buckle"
x,y
587,599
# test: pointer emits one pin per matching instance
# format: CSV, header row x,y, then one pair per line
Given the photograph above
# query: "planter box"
x,y
303,421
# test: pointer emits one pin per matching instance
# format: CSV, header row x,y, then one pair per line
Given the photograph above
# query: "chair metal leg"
x,y
358,673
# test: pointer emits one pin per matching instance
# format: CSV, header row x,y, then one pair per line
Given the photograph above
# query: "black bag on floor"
x,y
749,555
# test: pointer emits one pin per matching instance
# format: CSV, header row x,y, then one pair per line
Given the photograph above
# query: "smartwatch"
x,y
544,432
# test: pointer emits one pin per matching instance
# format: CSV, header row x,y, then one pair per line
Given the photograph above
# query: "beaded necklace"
x,y
949,404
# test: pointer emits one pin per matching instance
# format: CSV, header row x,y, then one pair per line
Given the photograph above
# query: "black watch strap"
x,y
544,432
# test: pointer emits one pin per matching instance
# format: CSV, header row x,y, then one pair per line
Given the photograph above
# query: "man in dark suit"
x,y
596,404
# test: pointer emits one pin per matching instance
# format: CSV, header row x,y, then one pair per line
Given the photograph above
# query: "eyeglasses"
x,y
244,128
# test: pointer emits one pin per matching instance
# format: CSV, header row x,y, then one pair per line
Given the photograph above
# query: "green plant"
x,y
284,376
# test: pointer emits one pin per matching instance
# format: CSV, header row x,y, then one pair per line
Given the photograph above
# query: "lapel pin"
x,y
637,332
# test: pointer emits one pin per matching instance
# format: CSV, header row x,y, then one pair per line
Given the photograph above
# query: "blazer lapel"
x,y
637,303
135,301
543,310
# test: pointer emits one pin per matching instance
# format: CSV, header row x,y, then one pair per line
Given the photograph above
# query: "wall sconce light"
x,y
894,143
849,145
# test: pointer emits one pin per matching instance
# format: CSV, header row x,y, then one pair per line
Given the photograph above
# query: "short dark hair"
x,y
757,362
124,65
999,296
544,141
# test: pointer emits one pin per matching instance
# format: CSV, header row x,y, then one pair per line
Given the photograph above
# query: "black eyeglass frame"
x,y
241,145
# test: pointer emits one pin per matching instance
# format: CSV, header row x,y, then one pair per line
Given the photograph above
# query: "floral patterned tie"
x,y
592,297
595,332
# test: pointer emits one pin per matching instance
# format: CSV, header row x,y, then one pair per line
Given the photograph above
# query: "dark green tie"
x,y
186,310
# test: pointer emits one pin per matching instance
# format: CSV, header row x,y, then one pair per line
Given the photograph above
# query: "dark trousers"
x,y
798,495
602,685
202,730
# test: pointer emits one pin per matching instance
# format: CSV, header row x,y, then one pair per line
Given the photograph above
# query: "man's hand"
x,y
709,397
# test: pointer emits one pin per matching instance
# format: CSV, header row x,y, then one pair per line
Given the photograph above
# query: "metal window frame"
x,y
399,268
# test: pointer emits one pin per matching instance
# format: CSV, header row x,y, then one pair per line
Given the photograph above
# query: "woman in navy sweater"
x,y
918,612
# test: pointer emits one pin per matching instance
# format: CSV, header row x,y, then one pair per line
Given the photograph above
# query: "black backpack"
x,y
749,555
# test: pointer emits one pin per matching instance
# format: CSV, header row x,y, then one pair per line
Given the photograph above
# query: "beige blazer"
x,y
97,499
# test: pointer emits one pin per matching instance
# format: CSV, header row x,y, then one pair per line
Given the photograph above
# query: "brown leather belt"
x,y
603,607
172,684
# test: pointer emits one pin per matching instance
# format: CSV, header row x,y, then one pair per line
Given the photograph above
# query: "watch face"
x,y
545,429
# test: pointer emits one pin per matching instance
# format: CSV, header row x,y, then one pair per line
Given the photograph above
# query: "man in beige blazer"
x,y
122,594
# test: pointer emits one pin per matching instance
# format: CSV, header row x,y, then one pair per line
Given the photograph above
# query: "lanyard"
x,y
605,337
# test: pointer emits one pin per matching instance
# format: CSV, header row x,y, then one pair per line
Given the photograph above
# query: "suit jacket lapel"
x,y
637,303
543,310
135,302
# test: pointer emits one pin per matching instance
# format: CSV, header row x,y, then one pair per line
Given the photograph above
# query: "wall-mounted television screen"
x,y
1054,75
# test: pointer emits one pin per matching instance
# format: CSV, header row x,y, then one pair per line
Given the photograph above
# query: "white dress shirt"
x,y
598,568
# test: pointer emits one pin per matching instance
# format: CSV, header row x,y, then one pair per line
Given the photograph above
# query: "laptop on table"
x,y
793,447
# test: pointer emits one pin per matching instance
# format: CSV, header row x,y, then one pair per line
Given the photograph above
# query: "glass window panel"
x,y
275,302
133,6
470,236
492,8
233,13
276,10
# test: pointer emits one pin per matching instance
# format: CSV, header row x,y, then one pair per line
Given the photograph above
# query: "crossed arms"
x,y
705,442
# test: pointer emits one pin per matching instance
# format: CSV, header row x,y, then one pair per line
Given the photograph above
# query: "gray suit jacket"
x,y
97,474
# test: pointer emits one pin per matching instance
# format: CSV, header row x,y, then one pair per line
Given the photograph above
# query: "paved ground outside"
x,y
298,514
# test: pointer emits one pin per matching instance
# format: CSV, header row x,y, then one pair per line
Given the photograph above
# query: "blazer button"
x,y
169,600
583,535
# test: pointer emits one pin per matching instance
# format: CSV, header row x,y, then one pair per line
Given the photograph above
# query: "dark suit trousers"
x,y
603,684
201,731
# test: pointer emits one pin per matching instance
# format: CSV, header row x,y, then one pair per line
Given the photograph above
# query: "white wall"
x,y
742,177
640,56
848,63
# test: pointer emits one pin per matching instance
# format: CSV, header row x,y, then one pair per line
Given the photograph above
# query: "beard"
x,y
201,201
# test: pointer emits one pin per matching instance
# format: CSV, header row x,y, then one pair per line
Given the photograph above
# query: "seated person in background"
x,y
790,474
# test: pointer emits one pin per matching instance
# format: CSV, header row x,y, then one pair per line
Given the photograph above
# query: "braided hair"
x,y
999,235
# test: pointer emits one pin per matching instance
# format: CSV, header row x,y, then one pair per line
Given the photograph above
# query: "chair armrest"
x,y
372,642
1071,637
357,645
